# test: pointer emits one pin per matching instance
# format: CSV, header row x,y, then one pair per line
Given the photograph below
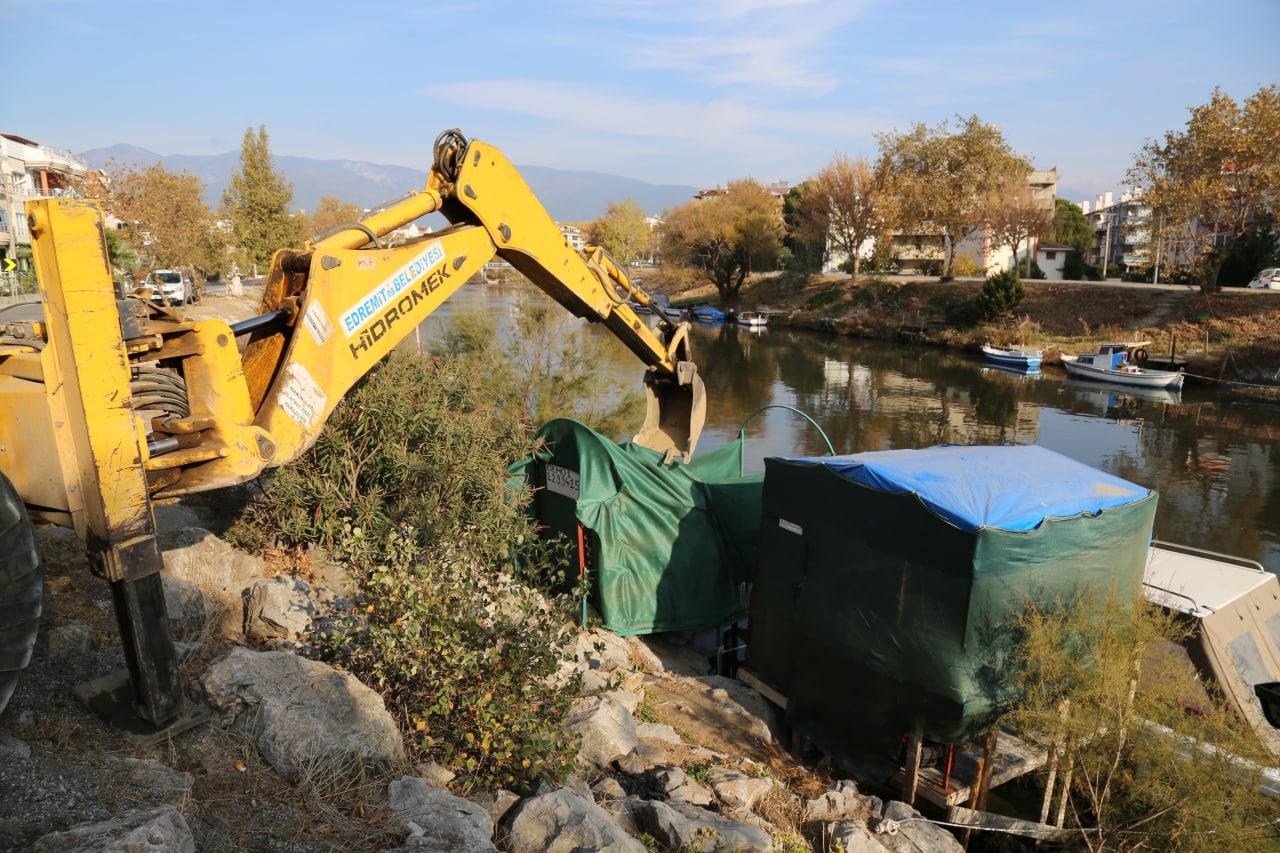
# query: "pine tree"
x,y
257,204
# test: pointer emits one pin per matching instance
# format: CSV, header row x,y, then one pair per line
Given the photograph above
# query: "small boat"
x,y
1026,359
753,319
1113,363
708,314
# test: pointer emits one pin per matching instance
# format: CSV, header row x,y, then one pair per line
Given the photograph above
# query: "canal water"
x,y
1215,461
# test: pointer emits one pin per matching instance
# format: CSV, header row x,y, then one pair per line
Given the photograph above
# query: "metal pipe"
x,y
253,324
164,445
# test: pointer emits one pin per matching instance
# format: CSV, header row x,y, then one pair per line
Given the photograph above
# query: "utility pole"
x,y
1106,248
1155,274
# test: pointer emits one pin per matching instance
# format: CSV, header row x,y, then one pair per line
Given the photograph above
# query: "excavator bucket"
x,y
674,415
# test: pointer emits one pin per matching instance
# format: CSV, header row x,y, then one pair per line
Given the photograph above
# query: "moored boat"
x,y
708,314
753,319
1025,359
1114,363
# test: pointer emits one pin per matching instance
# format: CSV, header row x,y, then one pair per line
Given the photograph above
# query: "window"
x,y
1050,255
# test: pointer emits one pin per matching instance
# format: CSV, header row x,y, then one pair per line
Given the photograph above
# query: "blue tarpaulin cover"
x,y
1006,488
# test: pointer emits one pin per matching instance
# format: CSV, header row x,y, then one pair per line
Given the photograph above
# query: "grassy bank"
x,y
1234,335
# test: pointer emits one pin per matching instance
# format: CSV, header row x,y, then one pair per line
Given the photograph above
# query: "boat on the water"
x,y
1115,363
1025,359
708,314
753,319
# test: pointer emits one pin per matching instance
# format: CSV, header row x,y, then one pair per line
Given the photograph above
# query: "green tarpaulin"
x,y
888,582
669,546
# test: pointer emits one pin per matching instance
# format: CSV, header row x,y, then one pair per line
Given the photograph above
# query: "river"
x,y
1214,461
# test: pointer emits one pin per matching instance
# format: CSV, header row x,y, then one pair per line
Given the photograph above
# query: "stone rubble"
x,y
439,820
159,830
565,822
680,826
279,608
607,728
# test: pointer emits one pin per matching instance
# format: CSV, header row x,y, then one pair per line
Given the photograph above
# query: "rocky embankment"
x,y
301,756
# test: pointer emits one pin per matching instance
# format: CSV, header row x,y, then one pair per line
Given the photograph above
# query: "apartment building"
x,y
573,235
29,170
1121,233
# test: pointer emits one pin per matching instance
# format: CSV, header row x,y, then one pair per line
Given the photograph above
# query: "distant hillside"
x,y
569,196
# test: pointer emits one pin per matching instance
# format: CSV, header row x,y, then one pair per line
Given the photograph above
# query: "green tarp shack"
x,y
887,583
667,546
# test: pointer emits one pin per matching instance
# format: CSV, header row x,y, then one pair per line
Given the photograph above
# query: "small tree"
x,y
1001,294
1015,216
941,178
727,237
623,232
1070,226
331,212
844,204
1145,750
257,204
1216,180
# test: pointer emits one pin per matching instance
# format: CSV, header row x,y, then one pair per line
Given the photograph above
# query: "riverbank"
x,y
1232,336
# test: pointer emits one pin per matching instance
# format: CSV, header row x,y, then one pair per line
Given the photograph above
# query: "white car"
x,y
1268,279
171,284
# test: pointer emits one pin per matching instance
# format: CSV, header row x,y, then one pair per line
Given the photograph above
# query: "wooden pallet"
x,y
1014,757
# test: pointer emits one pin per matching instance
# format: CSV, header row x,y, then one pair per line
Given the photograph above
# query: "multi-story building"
x,y
573,234
30,170
1121,233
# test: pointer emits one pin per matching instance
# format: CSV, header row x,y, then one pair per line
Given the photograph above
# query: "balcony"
x,y
1134,258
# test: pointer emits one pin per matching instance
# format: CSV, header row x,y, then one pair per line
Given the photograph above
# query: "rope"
x,y
1230,381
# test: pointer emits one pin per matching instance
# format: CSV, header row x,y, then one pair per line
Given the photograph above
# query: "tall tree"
x,y
257,203
622,232
726,237
167,220
942,177
331,212
1070,226
1015,216
804,255
844,204
1216,180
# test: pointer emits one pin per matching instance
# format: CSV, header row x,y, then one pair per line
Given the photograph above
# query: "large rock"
x,y
839,802
660,732
438,820
902,829
279,608
565,822
218,570
852,836
162,830
185,603
607,728
496,803
738,790
740,700
679,826
643,657
678,787
149,778
304,713
601,650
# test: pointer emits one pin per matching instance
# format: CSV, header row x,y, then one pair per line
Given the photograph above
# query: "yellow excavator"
x,y
107,404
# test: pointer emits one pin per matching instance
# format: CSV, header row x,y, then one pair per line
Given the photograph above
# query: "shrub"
x,y
825,297
932,268
882,259
1074,267
877,293
1001,293
406,485
965,267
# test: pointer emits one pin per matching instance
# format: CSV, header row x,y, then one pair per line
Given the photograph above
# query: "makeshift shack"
x,y
888,581
666,546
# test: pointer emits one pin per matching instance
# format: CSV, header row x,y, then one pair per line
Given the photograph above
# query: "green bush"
x,y
1074,267
825,297
406,486
1001,294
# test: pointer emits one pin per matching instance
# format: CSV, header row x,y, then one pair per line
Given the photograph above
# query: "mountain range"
x,y
570,196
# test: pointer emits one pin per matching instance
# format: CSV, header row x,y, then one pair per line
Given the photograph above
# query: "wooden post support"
x,y
911,781
1064,711
1066,787
981,780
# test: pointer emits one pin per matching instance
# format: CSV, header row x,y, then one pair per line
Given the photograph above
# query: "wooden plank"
x,y
912,777
980,820
1014,757
747,676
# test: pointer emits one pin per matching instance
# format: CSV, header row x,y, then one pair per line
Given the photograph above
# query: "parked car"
x,y
1268,279
171,284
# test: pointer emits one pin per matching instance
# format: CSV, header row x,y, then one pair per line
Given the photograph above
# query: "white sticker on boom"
x,y
301,398
791,527
317,323
562,481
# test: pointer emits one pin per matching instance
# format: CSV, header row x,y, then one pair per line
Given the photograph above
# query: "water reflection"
x,y
1215,462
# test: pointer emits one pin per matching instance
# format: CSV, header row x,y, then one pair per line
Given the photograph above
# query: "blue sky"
x,y
677,92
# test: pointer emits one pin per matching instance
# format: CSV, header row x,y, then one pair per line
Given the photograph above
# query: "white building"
x,y
30,170
573,236
1121,233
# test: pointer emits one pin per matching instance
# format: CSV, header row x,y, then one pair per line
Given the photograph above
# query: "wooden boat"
x,y
753,319
1025,359
1114,363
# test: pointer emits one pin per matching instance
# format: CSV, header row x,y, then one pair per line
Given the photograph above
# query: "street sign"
x,y
10,265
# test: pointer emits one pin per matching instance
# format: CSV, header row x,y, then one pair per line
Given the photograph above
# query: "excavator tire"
x,y
21,589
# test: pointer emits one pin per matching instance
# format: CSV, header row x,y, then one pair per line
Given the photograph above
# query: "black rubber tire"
x,y
21,589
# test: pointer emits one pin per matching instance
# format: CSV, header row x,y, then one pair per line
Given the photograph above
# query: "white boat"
x,y
1114,363
753,319
1025,359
